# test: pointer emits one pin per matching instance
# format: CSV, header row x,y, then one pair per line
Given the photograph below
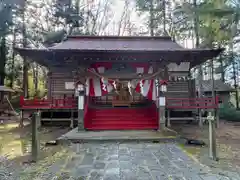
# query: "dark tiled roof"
x,y
89,49
219,86
112,43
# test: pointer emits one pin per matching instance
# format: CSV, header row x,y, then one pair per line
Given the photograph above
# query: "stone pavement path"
x,y
128,161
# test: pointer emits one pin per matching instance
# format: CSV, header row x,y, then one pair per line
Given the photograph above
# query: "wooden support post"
x,y
21,119
212,138
72,119
39,119
161,110
35,138
81,95
200,118
162,118
80,112
161,89
168,118
216,114
200,94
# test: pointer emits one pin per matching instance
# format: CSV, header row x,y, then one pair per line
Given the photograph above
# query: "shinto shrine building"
x,y
121,80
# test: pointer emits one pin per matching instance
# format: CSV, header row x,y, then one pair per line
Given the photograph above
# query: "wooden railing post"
x,y
216,112
212,137
81,105
22,111
198,104
35,138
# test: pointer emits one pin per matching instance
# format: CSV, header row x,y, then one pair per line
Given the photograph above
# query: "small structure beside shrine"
x,y
118,83
223,90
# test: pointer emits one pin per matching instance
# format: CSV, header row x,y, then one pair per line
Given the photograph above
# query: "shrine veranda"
x,y
110,82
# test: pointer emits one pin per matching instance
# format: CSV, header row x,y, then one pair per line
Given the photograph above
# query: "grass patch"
x,y
229,113
192,150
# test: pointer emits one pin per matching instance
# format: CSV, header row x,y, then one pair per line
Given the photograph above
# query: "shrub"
x,y
228,112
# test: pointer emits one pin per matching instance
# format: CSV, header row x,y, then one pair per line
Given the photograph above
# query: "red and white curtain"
x,y
100,86
96,87
147,88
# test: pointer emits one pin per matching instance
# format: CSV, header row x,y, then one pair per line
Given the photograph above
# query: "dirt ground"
x,y
228,144
15,142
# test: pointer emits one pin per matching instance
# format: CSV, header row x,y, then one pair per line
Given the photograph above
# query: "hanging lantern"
x,y
80,90
80,87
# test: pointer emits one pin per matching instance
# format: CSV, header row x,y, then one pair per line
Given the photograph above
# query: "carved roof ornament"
x,y
119,68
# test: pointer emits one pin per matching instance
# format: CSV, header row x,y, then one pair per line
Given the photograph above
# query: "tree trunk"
x,y
151,18
13,60
221,65
235,82
200,68
222,69
3,59
164,17
35,78
25,63
196,24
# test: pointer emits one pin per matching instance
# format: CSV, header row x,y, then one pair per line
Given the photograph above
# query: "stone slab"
x,y
137,161
76,136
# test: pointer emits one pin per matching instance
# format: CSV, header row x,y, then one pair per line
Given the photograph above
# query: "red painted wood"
x,y
192,103
61,103
122,118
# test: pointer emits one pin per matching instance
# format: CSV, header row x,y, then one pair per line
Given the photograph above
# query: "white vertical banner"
x,y
80,102
162,101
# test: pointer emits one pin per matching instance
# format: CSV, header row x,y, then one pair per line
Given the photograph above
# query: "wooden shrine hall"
x,y
112,82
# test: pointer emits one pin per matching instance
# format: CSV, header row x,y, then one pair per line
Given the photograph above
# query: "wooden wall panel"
x,y
56,87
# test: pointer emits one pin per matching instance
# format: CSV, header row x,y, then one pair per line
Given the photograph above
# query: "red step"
x,y
123,124
134,119
120,110
123,127
122,118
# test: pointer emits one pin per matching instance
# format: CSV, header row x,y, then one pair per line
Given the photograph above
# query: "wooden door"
x,y
123,97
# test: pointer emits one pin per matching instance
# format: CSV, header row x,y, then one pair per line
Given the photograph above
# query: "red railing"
x,y
54,103
110,99
192,103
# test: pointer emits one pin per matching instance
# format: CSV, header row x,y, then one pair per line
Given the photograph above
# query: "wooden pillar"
x,y
21,118
72,119
216,114
168,118
200,91
81,96
35,138
162,104
162,118
214,98
200,118
212,138
80,119
39,119
216,111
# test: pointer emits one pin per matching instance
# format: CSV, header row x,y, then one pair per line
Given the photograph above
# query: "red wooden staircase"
x,y
137,118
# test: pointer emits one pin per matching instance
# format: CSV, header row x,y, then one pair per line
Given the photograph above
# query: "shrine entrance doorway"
x,y
123,96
